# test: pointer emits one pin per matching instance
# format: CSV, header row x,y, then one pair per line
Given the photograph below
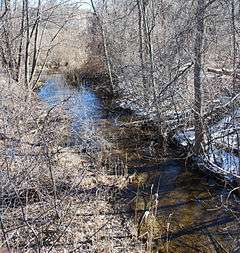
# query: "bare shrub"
x,y
55,198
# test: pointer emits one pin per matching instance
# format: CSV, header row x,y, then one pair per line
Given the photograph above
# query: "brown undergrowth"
x,y
54,198
92,72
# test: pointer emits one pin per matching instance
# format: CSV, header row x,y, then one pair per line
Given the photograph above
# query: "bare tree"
x,y
105,45
234,46
199,134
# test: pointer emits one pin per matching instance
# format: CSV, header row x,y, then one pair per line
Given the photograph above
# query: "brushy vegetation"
x,y
175,63
53,197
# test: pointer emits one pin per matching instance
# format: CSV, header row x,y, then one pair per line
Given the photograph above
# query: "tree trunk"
x,y
199,136
27,45
234,45
104,39
20,49
35,48
141,51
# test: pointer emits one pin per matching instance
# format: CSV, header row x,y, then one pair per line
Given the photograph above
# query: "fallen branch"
x,y
225,72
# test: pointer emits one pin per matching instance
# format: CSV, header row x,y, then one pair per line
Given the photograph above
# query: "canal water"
x,y
175,207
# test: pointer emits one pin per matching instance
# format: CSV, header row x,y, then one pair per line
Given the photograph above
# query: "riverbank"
x,y
134,148
53,197
221,144
118,187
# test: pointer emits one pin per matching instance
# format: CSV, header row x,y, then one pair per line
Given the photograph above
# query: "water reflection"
x,y
186,216
82,103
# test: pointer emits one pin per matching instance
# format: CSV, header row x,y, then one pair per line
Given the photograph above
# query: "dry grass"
x,y
53,198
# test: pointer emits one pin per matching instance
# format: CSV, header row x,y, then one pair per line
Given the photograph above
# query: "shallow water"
x,y
176,208
82,103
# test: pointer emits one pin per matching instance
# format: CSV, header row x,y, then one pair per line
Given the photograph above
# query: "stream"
x,y
184,205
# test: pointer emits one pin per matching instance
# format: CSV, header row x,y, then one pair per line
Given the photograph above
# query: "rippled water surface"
x,y
175,208
82,103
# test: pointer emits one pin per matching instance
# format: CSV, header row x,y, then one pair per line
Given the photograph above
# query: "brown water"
x,y
176,208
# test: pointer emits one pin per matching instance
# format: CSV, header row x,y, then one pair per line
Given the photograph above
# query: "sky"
x,y
85,4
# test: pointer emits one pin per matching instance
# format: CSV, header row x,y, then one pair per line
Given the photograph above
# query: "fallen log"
x,y
230,149
219,112
225,72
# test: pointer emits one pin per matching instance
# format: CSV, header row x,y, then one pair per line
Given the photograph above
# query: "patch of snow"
x,y
224,138
186,137
232,120
225,161
227,130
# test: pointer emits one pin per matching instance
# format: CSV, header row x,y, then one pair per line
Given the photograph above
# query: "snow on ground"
x,y
227,130
185,138
222,147
221,155
224,161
